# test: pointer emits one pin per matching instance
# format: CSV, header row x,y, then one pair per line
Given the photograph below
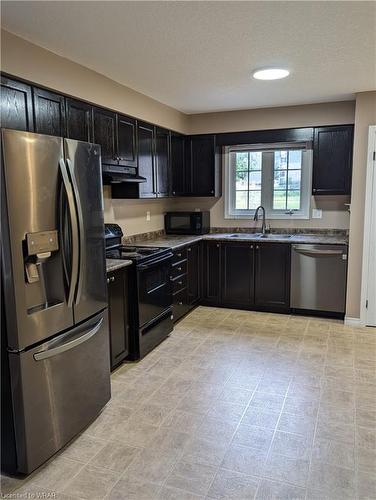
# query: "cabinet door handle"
x,y
180,282
112,279
180,303
189,249
108,280
179,268
178,254
217,245
251,247
173,192
257,247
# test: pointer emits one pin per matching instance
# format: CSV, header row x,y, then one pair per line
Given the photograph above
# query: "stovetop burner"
x,y
115,250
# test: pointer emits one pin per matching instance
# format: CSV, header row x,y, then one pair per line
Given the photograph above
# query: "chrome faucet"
x,y
256,217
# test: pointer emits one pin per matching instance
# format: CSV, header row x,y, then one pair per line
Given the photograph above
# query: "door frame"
x,y
370,205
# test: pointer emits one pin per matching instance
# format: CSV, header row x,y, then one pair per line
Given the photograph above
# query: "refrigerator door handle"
x,y
49,353
80,230
75,236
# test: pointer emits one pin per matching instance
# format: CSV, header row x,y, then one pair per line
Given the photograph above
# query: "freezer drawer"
x,y
318,277
58,388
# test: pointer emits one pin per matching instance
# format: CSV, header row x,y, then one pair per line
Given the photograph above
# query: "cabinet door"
x,y
237,264
193,273
178,184
272,275
16,105
79,120
202,165
332,160
126,140
212,273
118,316
49,110
162,162
104,127
145,141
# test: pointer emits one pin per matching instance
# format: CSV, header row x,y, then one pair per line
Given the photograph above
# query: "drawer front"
x,y
180,306
179,255
179,283
179,269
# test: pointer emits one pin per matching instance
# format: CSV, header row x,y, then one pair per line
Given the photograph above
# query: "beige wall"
x,y
365,115
331,113
31,62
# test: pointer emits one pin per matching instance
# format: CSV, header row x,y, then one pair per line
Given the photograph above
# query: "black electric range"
x,y
150,290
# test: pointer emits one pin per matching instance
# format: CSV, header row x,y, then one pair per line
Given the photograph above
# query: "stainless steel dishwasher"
x,y
318,277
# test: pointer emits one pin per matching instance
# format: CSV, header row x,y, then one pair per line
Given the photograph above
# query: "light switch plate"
x,y
316,213
148,215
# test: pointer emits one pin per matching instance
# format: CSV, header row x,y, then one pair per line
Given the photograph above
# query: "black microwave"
x,y
187,222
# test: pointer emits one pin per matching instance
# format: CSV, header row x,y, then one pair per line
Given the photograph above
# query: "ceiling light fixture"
x,y
270,74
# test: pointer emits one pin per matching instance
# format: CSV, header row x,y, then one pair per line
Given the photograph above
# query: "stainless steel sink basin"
x,y
275,236
245,235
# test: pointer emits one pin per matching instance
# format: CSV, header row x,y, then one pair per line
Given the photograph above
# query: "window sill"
x,y
267,216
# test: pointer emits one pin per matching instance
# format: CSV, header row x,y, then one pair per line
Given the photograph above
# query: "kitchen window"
x,y
277,176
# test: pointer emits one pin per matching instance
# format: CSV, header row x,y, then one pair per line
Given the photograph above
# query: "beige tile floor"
x,y
237,405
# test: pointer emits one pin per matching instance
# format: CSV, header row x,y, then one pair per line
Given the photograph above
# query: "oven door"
x,y
154,288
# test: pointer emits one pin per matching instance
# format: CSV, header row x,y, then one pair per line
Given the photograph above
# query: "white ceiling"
x,y
198,56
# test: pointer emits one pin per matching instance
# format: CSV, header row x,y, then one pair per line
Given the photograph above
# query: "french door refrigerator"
x,y
55,348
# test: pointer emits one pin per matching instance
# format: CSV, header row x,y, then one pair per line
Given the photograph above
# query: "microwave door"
x,y
35,289
180,223
84,165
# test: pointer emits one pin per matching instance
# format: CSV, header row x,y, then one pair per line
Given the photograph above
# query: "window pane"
x,y
295,159
279,200
280,160
294,179
242,161
280,179
254,199
255,180
242,179
255,160
293,200
241,200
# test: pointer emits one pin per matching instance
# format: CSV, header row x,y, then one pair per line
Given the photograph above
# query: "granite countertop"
x,y
176,241
114,264
315,239
172,241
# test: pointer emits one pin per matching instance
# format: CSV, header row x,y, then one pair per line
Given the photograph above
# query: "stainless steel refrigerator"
x,y
55,347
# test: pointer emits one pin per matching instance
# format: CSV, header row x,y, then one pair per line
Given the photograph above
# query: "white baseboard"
x,y
355,322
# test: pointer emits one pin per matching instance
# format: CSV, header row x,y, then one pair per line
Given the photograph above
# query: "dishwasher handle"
x,y
317,253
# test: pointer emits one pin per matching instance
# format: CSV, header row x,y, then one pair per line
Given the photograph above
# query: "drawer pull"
x,y
180,282
178,254
179,268
180,303
189,249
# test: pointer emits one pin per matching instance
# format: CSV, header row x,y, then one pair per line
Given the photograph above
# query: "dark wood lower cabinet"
x,y
237,263
186,279
118,315
272,275
211,264
246,275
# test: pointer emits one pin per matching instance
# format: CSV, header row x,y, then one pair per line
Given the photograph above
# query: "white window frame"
x,y
229,181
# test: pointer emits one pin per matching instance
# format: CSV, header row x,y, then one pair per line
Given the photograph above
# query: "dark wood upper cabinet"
x,y
193,273
237,264
332,160
49,112
79,120
272,275
145,141
211,292
104,129
202,170
178,177
162,162
16,105
126,141
118,316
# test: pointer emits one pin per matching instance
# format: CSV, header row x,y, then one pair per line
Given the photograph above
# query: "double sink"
x,y
260,236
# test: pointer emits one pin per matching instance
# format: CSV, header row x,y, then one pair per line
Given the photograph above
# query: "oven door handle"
x,y
154,262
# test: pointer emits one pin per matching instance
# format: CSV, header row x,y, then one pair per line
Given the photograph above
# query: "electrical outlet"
x,y
148,216
316,213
